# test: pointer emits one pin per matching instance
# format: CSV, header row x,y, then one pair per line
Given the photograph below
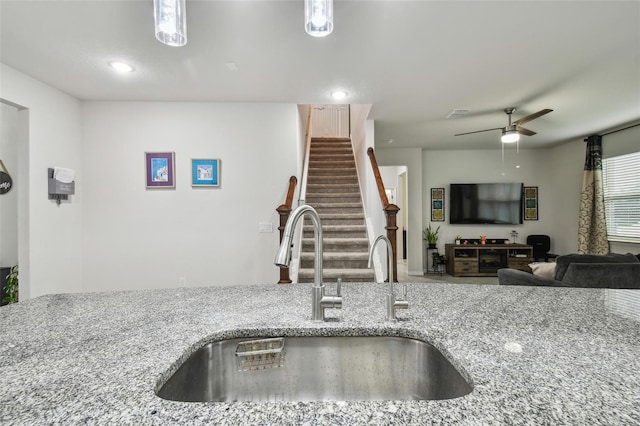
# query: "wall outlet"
x,y
265,227
182,281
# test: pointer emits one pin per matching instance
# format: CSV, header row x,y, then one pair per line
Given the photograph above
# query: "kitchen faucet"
x,y
319,301
392,303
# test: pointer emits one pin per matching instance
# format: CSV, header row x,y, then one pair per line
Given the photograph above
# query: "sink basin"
x,y
318,368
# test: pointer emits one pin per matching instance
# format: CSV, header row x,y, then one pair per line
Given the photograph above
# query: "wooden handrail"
x,y
376,174
390,212
292,188
284,210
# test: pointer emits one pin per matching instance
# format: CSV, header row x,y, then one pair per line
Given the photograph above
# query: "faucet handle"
x,y
339,287
404,291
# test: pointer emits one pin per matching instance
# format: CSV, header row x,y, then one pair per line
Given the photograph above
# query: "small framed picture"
x,y
205,172
437,204
160,169
530,203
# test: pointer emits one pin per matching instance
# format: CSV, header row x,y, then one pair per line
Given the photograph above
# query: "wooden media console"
x,y
484,260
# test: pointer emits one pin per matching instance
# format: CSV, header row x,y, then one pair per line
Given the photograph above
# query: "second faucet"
x,y
392,303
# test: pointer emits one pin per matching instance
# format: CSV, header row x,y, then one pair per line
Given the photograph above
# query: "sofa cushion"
x,y
543,269
508,276
603,275
564,261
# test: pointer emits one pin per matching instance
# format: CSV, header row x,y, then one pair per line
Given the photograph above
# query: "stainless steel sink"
x,y
317,369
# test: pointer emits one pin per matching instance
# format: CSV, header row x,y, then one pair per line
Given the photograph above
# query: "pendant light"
x,y
170,22
318,17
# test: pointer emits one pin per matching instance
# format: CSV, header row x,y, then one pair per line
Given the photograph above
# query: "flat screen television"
x,y
486,203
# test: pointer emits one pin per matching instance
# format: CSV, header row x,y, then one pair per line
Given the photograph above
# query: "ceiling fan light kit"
x,y
510,135
512,131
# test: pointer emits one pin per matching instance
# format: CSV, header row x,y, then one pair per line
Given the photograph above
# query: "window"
x,y
621,177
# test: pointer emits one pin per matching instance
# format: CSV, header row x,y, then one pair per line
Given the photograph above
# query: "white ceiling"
x,y
413,61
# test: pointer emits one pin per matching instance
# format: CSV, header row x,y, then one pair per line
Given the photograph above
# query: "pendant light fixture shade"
x,y
318,17
170,22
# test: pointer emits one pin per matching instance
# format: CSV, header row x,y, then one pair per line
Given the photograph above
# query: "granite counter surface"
x,y
97,358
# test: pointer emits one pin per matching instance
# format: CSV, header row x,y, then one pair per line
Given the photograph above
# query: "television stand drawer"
x,y
465,267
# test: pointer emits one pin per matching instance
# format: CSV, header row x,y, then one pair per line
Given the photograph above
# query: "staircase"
x,y
333,190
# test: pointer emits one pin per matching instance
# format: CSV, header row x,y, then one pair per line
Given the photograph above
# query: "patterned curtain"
x,y
592,229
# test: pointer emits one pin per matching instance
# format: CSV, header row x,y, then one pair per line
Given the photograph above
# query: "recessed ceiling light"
x,y
121,66
338,94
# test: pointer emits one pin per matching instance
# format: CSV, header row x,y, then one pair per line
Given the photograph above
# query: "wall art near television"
x,y
530,203
205,172
437,204
160,169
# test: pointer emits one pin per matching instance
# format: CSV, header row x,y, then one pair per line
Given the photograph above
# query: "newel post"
x,y
391,212
284,210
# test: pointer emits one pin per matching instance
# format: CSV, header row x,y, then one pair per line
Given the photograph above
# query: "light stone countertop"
x,y
97,358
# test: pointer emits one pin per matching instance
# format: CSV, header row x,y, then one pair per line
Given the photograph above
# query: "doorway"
x,y
14,217
395,180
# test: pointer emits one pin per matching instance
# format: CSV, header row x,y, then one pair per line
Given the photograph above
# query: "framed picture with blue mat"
x,y
205,172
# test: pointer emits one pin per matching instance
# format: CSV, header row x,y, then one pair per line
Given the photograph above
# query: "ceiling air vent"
x,y
457,113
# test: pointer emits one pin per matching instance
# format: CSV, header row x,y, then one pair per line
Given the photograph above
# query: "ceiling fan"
x,y
512,132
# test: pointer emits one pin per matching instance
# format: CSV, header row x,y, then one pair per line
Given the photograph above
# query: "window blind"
x,y
621,178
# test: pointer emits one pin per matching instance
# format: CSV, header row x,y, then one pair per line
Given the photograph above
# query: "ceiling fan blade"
x,y
479,131
525,132
532,116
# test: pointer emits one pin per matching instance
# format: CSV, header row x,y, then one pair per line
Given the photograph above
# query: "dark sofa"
x,y
582,270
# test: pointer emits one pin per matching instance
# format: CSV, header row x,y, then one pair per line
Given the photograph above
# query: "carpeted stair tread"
x,y
336,205
331,275
341,216
336,260
337,242
328,168
330,164
340,255
337,228
333,195
333,179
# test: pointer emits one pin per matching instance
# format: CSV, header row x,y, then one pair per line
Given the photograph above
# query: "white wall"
x,y
136,238
362,138
441,168
9,136
567,162
621,142
49,235
412,159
